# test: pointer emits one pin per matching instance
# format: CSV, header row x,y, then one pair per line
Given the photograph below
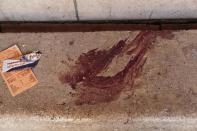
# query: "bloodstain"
x,y
93,89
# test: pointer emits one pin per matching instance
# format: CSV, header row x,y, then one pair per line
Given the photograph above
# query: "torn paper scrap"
x,y
26,61
19,80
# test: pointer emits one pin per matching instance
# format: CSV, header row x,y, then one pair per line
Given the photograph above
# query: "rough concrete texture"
x,y
135,9
36,10
72,10
163,96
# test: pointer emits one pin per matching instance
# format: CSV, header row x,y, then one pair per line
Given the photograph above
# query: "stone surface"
x,y
163,97
36,10
132,9
64,10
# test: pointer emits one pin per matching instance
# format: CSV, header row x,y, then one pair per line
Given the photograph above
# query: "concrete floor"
x,y
163,96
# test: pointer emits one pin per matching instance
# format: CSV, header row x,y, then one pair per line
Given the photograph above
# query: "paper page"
x,y
19,80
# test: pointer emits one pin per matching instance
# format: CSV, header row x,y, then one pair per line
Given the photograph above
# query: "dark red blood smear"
x,y
95,89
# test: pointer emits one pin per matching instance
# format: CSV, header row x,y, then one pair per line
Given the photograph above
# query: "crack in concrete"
x,y
76,9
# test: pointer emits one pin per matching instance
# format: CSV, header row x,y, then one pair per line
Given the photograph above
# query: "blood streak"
x,y
95,89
